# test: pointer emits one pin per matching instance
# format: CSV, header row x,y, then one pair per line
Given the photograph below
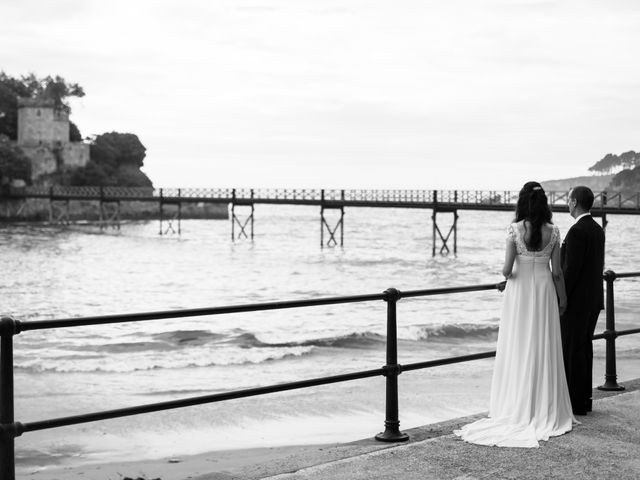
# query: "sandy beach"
x,y
423,395
418,390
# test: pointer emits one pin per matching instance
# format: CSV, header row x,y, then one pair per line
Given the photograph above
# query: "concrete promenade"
x,y
605,446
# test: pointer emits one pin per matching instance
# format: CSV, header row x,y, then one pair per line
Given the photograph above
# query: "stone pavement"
x,y
605,446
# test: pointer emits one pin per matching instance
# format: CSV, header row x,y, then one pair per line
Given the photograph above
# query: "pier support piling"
x,y
59,212
324,224
331,231
242,224
109,214
14,209
437,233
176,218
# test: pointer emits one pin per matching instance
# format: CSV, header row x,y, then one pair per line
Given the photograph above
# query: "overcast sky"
x,y
344,93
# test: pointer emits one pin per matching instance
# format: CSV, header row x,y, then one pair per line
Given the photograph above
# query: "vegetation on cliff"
x,y
13,163
115,158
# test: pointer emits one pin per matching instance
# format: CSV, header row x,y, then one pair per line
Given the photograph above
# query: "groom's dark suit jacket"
x,y
582,265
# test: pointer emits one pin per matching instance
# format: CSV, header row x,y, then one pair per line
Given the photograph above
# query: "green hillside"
x,y
597,183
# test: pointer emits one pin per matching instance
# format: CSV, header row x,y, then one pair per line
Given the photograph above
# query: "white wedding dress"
x,y
529,394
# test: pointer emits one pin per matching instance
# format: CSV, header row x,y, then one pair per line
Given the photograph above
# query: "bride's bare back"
x,y
547,231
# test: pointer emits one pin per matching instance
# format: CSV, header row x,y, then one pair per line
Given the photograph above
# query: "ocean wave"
x,y
108,365
165,341
202,348
456,331
188,337
351,340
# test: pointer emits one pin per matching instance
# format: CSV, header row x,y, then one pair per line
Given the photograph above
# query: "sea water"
x,y
53,272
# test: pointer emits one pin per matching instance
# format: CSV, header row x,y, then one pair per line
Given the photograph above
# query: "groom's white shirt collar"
x,y
583,215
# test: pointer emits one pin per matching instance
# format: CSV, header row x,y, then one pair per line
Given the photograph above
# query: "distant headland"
x,y
40,145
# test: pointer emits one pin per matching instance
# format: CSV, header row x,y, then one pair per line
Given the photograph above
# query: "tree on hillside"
x,y
115,160
10,89
29,86
14,165
611,163
627,180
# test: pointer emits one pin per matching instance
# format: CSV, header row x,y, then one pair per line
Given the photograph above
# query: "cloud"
x,y
412,84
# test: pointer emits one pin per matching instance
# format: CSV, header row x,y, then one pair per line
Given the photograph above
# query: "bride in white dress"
x,y
529,398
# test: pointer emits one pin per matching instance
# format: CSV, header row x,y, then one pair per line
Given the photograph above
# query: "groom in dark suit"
x,y
582,265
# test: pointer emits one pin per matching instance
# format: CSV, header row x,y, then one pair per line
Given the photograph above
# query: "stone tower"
x,y
43,135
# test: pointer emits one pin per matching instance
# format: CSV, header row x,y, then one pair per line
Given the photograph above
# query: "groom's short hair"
x,y
583,197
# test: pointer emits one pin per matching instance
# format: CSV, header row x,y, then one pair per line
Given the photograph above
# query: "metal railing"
x,y
9,327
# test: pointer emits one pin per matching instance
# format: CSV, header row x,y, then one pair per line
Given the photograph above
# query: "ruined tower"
x,y
43,135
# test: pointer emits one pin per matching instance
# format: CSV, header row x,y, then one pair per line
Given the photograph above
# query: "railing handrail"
x,y
9,428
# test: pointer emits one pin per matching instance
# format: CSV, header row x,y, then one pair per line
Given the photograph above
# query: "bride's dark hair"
x,y
533,206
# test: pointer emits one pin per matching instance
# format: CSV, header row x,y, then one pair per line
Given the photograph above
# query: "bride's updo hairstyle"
x,y
533,206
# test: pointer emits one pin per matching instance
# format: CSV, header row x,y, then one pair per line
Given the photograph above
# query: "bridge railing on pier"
x,y
9,327
489,198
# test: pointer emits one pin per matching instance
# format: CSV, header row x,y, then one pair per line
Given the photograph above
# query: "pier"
x,y
242,204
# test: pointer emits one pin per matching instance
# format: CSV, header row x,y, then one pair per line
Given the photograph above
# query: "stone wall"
x,y
75,154
43,160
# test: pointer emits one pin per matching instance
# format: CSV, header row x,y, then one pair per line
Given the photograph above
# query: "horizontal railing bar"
x,y
631,331
447,361
447,290
627,274
187,402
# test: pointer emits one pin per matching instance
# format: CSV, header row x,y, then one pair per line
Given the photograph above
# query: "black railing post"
x,y
392,369
8,328
610,375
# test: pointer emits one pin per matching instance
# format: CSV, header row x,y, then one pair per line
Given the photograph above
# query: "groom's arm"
x,y
575,246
